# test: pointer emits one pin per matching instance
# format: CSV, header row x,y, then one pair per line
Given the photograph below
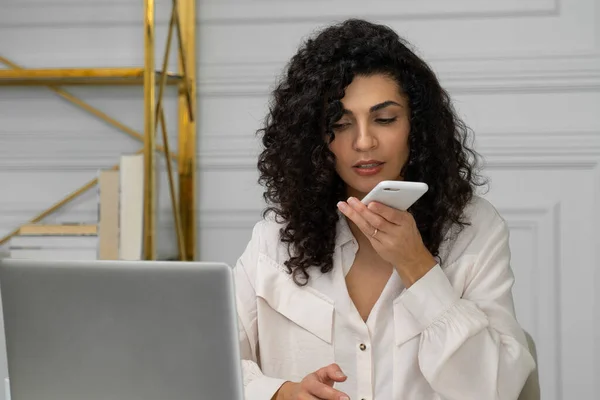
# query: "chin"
x,y
363,185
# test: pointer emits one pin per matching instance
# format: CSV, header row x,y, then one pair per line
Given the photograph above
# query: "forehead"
x,y
367,91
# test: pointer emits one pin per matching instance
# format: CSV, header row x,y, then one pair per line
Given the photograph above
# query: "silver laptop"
x,y
120,330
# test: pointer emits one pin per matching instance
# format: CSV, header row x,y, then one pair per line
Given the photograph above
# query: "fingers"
x,y
366,220
392,215
307,396
353,215
325,392
320,384
330,374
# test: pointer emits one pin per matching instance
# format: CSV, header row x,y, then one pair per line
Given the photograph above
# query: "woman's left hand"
x,y
394,235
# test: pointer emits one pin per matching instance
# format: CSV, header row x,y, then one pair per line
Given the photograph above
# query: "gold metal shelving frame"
x,y
183,24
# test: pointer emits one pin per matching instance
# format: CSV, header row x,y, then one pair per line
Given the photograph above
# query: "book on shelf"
x,y
59,229
68,241
108,214
117,233
54,241
54,254
131,206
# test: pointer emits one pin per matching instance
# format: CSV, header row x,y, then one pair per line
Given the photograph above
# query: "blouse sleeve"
x,y
472,346
257,386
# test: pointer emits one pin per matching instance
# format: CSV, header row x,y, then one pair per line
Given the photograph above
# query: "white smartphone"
x,y
397,194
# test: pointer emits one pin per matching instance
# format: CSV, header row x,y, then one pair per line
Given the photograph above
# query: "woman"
x,y
337,300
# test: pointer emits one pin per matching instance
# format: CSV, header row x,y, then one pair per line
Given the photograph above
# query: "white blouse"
x,y
452,335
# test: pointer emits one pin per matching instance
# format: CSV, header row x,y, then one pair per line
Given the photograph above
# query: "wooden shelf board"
x,y
79,76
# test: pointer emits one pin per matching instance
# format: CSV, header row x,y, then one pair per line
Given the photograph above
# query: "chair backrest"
x,y
531,390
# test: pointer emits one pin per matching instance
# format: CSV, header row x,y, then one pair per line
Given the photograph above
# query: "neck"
x,y
363,241
351,192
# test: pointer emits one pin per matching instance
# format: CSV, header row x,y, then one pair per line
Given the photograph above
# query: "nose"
x,y
364,140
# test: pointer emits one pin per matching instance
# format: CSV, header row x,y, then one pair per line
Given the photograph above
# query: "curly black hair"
x,y
297,168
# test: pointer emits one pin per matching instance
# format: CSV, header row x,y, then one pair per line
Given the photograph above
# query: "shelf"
x,y
79,76
183,26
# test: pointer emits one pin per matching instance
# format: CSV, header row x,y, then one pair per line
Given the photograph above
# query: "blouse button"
x,y
362,347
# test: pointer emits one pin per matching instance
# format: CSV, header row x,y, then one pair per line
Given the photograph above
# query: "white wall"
x,y
525,74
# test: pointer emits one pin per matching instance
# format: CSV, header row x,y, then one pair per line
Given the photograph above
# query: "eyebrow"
x,y
378,107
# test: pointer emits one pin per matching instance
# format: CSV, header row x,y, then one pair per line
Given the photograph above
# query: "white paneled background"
x,y
525,74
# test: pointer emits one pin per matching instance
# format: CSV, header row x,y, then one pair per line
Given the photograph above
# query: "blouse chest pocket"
x,y
295,324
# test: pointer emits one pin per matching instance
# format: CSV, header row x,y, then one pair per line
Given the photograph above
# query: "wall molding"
x,y
503,74
522,150
543,222
560,73
19,13
222,152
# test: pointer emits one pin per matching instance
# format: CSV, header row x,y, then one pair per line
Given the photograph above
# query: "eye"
x,y
340,126
386,121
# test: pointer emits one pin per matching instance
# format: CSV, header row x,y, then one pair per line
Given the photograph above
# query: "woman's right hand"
x,y
315,386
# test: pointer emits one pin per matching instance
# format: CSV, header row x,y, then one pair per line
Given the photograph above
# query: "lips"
x,y
368,167
366,164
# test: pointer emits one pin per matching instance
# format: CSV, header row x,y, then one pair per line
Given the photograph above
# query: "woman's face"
x,y
371,138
